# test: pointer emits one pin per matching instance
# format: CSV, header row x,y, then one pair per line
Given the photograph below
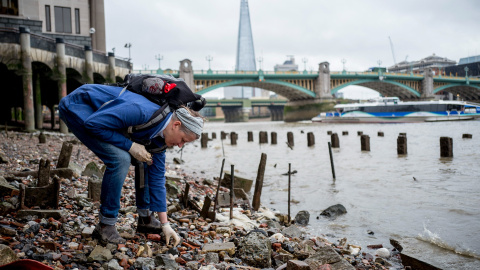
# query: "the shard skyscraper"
x,y
245,50
245,60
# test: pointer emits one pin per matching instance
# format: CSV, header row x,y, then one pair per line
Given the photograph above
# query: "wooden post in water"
x,y
223,135
65,154
344,133
204,140
402,145
331,159
310,139
214,135
263,137
446,147
250,136
289,184
259,182
380,134
233,138
273,136
232,190
466,136
365,141
335,140
218,186
329,132
290,139
359,133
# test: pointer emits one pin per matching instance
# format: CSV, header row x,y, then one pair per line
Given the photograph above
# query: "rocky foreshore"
x,y
62,238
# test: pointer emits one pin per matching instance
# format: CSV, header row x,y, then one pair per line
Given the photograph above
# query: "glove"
x,y
169,232
139,152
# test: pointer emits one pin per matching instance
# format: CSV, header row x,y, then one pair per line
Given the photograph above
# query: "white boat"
x,y
392,110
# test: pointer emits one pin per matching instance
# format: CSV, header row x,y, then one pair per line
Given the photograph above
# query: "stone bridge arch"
x,y
386,88
283,88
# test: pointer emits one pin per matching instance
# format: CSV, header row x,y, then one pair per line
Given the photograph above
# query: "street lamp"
x,y
260,60
159,58
305,60
128,45
209,59
344,61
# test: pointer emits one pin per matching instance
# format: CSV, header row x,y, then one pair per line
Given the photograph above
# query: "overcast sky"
x,y
316,30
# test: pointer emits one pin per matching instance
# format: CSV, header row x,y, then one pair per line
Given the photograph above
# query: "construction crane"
x,y
393,53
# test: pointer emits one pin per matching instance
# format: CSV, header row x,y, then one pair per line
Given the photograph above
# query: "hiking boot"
x,y
149,224
107,234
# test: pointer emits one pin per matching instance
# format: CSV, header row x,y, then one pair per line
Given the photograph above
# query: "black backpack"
x,y
165,90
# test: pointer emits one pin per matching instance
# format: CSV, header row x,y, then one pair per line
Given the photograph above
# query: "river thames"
x,y
419,198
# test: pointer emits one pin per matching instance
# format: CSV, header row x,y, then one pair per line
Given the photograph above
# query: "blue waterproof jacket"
x,y
108,122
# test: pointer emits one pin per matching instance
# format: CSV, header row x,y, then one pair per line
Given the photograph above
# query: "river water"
x,y
440,209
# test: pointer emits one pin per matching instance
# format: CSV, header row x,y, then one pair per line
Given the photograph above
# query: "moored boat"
x,y
392,110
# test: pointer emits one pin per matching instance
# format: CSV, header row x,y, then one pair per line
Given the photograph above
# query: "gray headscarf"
x,y
192,123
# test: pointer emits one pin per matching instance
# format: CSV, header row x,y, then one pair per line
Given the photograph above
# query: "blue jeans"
x,y
116,160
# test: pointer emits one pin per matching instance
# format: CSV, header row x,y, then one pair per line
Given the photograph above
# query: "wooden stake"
x,y
65,154
43,173
331,159
259,182
185,194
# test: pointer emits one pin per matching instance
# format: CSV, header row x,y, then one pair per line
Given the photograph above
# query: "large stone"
x,y
212,257
239,182
302,218
167,261
292,231
255,249
100,254
7,255
297,265
327,255
113,265
76,169
3,157
56,214
6,189
334,211
145,263
92,169
228,247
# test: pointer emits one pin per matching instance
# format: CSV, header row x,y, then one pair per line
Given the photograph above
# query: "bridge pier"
x,y
306,109
62,77
322,84
27,80
427,84
276,113
235,114
186,73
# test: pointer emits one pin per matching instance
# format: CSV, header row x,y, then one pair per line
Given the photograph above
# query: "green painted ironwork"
x,y
444,87
355,82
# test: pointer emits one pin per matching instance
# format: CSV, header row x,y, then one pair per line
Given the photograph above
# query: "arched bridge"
x,y
310,85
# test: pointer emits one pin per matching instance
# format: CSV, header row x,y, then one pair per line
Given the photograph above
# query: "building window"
x,y
48,19
9,7
63,20
77,21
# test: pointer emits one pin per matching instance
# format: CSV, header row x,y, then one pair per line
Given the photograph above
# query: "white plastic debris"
x,y
383,252
278,237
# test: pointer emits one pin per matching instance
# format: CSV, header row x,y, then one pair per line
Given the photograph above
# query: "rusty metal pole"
x,y
289,182
28,109
231,190
62,77
218,187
